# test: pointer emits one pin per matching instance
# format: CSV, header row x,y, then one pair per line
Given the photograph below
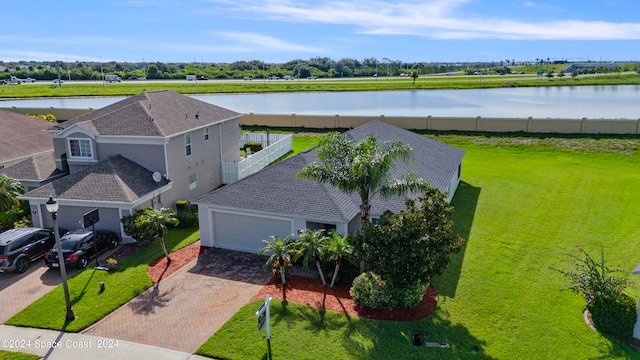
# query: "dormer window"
x,y
80,148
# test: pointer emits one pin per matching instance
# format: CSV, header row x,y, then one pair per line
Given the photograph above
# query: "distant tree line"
x,y
320,67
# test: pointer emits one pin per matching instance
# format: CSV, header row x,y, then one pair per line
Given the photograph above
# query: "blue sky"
x,y
279,31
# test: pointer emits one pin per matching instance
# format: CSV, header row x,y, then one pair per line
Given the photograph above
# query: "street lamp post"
x,y
52,208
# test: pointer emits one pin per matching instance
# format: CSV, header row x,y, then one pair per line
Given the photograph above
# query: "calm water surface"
x,y
571,102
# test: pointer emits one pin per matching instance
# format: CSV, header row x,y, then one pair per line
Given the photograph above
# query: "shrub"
x,y
612,311
188,216
254,146
616,318
594,280
143,235
370,290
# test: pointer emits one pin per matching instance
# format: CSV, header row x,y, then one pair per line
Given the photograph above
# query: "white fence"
x,y
274,147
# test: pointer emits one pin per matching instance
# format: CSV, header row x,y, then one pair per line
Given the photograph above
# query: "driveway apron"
x,y
182,311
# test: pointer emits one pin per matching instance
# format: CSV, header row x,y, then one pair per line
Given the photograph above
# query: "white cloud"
x,y
258,41
437,19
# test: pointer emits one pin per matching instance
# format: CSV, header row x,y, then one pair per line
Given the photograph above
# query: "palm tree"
x,y
362,167
158,220
10,189
414,76
337,249
280,252
311,247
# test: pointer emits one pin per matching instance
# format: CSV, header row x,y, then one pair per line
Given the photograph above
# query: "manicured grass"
x,y
47,89
91,305
7,355
522,207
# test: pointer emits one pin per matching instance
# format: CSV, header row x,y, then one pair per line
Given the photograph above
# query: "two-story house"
x,y
148,150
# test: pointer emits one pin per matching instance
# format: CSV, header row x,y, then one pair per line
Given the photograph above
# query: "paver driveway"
x,y
17,291
182,311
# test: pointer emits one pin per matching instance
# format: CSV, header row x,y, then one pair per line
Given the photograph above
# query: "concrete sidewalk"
x,y
51,344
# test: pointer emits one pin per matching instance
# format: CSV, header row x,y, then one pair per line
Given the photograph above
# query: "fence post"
x,y
638,127
478,123
529,123
336,121
583,125
428,122
293,119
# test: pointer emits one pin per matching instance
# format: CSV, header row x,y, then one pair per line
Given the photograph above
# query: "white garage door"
x,y
244,232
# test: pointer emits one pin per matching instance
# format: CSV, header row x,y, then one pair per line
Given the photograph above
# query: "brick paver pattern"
x,y
182,311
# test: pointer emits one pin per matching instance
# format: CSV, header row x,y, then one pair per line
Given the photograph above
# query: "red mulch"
x,y
159,270
303,290
311,292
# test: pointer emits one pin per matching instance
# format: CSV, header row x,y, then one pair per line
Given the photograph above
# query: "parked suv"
x,y
79,246
19,247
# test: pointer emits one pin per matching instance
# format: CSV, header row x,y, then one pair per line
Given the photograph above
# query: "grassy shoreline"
x,y
46,89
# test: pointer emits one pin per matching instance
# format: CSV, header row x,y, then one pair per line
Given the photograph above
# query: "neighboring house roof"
x,y
276,189
153,113
37,168
116,179
22,136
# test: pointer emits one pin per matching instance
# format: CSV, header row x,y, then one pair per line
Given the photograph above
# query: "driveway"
x,y
182,311
17,291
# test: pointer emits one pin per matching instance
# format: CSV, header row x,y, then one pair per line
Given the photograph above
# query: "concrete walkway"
x,y
58,345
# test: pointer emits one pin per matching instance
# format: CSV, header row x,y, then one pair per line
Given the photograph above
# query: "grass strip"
x,y
45,89
88,302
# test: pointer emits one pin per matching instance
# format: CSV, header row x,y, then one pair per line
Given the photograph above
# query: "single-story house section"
x,y
275,202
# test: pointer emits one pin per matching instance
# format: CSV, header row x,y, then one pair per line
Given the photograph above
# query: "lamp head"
x,y
52,205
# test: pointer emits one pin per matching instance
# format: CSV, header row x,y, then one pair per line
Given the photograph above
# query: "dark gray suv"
x,y
19,247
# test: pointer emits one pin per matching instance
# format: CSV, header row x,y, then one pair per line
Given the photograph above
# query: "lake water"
x,y
568,102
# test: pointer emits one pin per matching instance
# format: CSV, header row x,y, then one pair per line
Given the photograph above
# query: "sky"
x,y
224,31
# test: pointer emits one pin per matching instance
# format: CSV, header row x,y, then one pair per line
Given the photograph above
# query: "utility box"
x,y
182,204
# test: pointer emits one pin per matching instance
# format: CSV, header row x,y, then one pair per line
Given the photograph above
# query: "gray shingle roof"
x,y
276,189
37,168
22,136
116,179
153,113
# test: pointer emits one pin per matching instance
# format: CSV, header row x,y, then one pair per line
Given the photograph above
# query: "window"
x,y
375,221
206,134
80,148
187,144
192,181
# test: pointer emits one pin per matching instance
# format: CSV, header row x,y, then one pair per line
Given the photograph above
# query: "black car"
x,y
79,246
19,247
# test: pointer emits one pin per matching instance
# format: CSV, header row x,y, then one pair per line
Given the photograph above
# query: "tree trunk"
x,y
164,248
324,282
335,274
282,275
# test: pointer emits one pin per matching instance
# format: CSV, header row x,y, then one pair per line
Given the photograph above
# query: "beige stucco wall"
x,y
478,123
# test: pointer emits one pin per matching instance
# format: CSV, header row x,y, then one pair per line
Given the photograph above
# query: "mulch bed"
x,y
311,292
299,289
159,269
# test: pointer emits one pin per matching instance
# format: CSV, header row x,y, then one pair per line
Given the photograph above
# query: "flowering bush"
x,y
612,311
594,280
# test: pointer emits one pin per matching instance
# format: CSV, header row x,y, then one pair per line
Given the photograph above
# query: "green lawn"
x,y
88,302
522,208
7,355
